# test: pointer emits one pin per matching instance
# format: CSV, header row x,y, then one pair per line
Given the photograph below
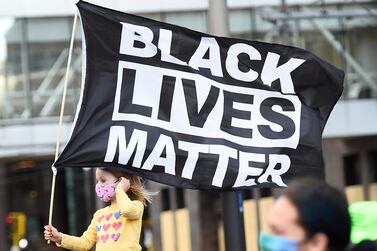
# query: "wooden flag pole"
x,y
58,133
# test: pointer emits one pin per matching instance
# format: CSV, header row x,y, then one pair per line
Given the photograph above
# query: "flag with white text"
x,y
195,110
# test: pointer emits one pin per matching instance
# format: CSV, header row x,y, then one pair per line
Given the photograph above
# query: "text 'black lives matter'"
x,y
194,110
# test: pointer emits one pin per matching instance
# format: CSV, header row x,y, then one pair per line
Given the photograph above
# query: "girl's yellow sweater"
x,y
113,228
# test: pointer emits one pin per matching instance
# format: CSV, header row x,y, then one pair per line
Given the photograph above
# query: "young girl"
x,y
115,227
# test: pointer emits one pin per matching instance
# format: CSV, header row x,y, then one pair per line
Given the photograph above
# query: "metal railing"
x,y
46,96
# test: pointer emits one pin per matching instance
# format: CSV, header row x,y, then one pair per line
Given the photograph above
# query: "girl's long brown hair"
x,y
137,190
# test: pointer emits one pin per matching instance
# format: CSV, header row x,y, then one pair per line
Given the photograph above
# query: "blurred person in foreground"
x,y
310,215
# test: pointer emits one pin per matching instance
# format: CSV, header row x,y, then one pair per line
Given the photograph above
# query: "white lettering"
x,y
213,62
117,137
163,142
141,34
193,151
164,44
231,62
275,174
224,153
271,72
247,173
245,170
147,92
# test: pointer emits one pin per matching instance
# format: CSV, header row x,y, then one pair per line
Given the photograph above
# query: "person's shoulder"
x,y
139,202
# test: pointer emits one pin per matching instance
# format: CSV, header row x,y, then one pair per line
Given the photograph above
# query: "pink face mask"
x,y
106,192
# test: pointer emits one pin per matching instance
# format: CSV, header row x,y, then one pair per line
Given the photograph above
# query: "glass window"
x,y
240,21
32,66
48,53
351,172
11,82
192,20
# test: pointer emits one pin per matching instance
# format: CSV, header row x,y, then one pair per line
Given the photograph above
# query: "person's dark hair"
x,y
322,209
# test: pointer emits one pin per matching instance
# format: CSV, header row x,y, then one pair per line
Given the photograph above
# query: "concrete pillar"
x,y
218,18
334,163
154,211
192,202
218,25
173,208
233,218
364,168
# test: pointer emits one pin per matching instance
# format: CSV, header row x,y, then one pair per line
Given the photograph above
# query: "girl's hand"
x,y
124,184
52,234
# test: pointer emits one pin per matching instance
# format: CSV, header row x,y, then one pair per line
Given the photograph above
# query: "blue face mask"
x,y
270,242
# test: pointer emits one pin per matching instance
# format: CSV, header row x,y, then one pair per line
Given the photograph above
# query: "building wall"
x,y
351,161
66,8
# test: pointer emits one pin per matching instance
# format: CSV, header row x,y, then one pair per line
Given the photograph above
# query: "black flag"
x,y
194,110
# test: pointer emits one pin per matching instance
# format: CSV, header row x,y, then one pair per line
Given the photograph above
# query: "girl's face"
x,y
104,177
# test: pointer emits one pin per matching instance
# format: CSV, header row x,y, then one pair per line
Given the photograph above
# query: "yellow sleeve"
x,y
131,209
83,243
